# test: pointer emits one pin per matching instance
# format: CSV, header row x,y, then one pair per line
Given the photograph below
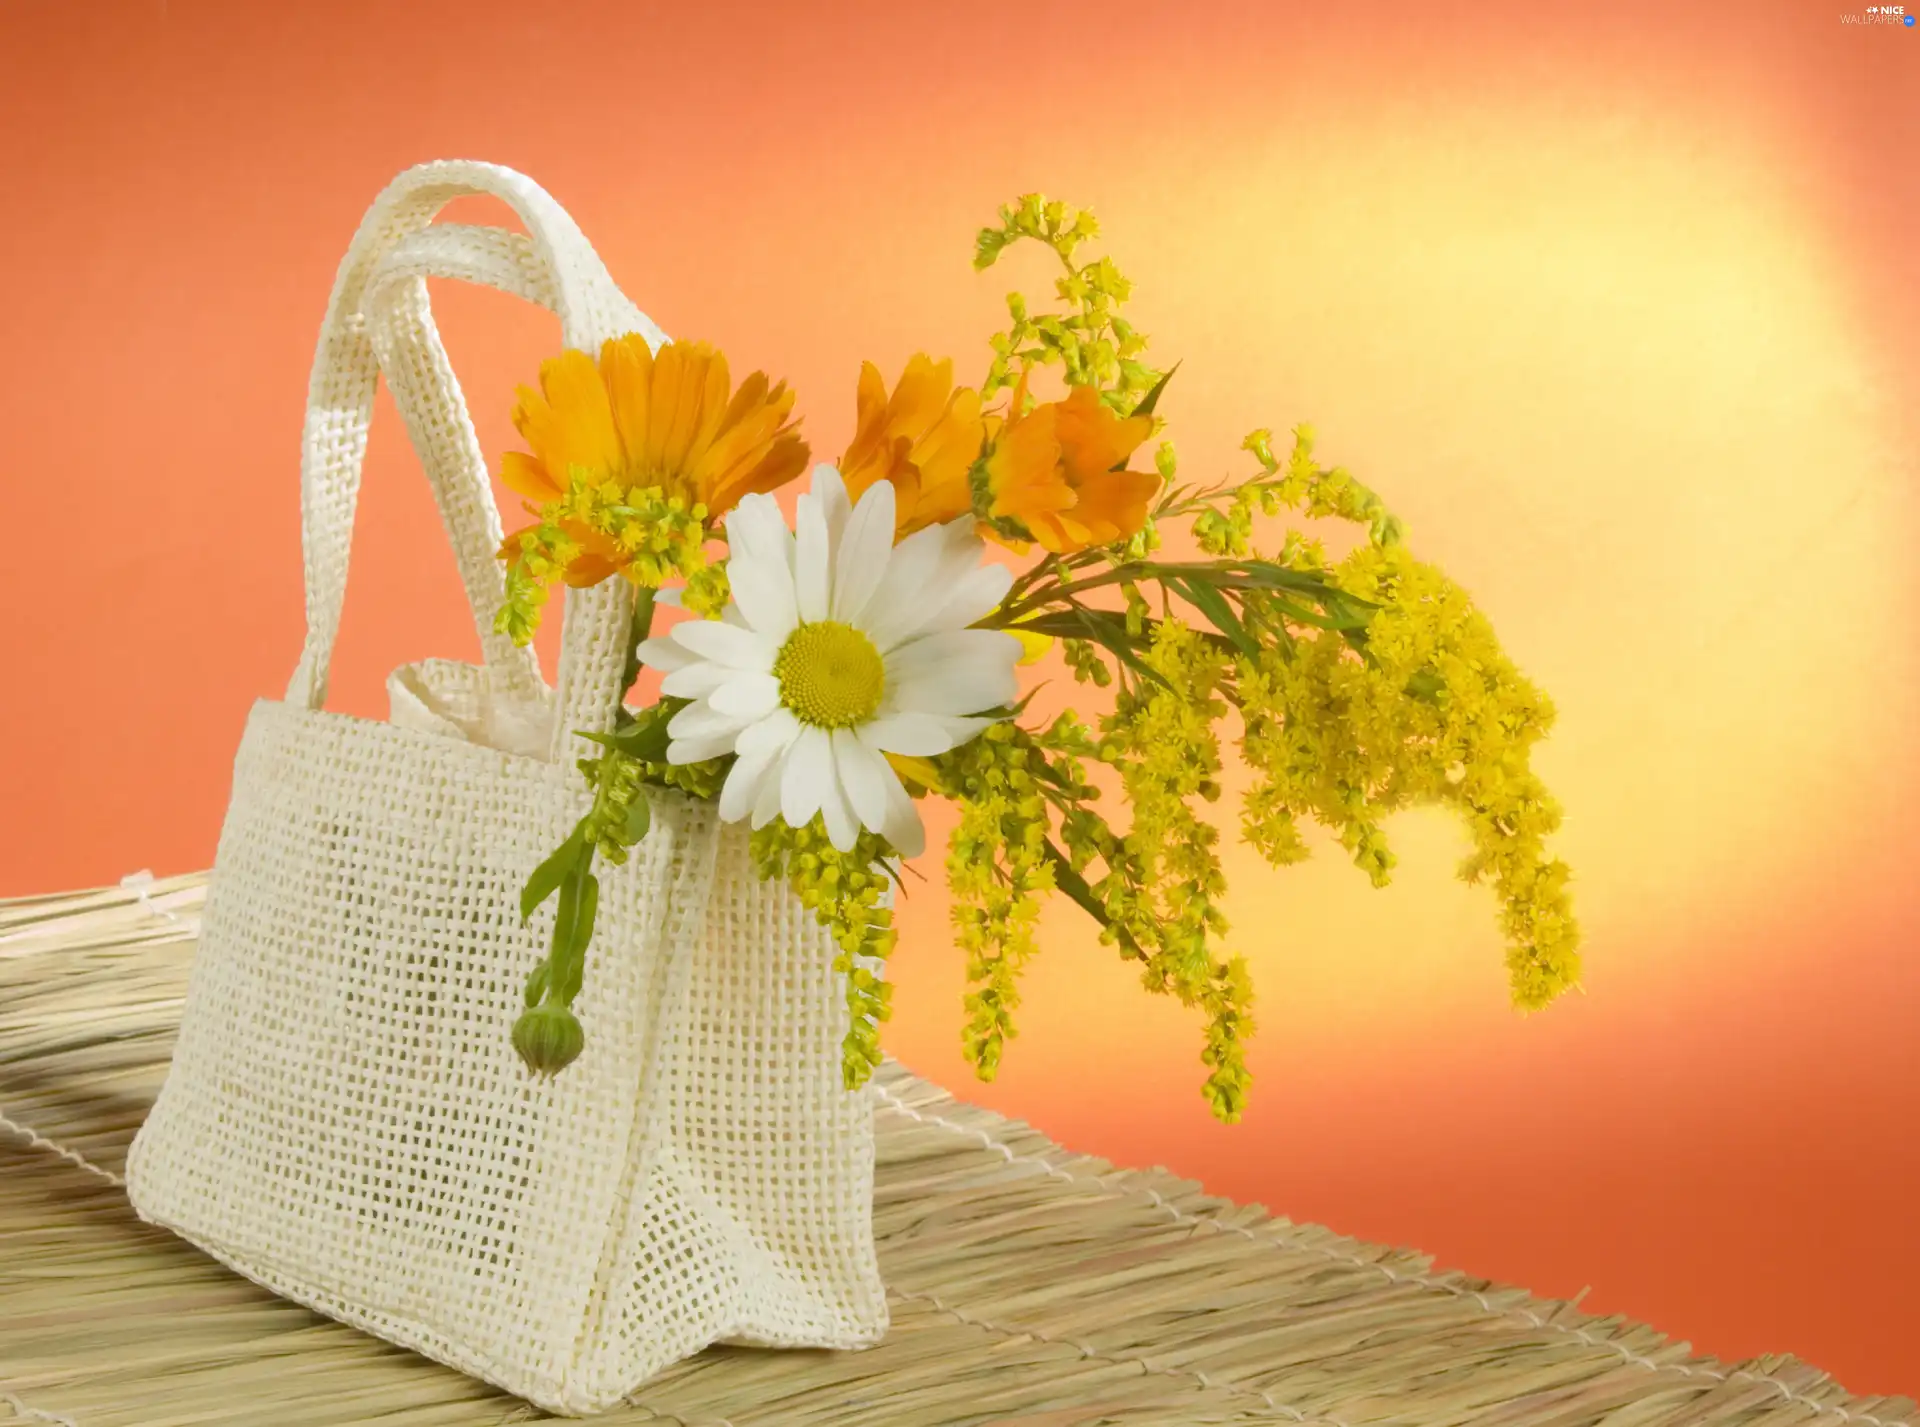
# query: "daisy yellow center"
x,y
830,675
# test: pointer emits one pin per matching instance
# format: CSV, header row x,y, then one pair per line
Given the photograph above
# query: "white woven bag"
x,y
345,1120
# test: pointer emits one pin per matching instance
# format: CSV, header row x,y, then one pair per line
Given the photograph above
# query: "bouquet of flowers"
x,y
830,674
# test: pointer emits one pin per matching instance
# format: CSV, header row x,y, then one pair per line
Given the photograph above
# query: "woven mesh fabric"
x,y
345,1119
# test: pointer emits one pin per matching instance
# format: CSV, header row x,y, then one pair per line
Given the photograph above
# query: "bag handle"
x,y
406,342
378,318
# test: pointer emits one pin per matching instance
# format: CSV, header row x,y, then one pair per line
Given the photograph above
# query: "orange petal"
x,y
510,546
673,393
755,429
1092,438
786,458
1114,505
868,456
1023,473
921,395
525,475
587,570
944,458
713,407
573,426
626,367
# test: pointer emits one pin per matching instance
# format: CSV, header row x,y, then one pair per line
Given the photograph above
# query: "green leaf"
x,y
639,818
1302,614
1110,633
1214,606
1264,574
536,985
548,875
645,740
1075,886
1346,610
1152,398
1425,685
572,930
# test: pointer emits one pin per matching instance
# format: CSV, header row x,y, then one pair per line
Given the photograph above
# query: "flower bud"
x,y
548,1038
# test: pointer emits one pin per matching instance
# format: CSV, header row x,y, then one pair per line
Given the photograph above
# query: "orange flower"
x,y
924,438
1058,472
645,420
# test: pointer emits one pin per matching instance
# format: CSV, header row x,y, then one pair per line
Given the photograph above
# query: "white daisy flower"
x,y
839,647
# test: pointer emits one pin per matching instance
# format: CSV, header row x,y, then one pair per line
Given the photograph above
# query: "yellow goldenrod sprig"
x,y
999,874
1154,889
600,528
1090,340
845,893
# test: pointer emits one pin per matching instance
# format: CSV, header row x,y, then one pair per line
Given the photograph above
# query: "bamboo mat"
x,y
1031,1287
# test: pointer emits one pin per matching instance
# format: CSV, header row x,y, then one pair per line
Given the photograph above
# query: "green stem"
x,y
637,631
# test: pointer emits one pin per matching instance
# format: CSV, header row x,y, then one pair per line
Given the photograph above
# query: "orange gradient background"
x,y
1617,305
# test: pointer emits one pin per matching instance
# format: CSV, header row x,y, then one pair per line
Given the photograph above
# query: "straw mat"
x,y
1030,1287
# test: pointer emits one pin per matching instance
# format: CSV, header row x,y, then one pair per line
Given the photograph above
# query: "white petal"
x,y
961,729
831,493
894,610
662,652
701,720
757,566
812,560
754,525
917,735
775,733
863,776
903,826
864,548
959,686
699,750
747,696
763,596
974,596
669,598
842,826
743,787
807,776
934,651
766,807
952,554
768,536
696,681
727,644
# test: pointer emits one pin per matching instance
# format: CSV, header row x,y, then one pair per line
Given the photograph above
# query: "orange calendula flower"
x,y
642,420
1058,472
924,438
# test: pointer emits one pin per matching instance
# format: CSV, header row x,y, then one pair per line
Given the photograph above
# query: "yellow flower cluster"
x,y
1425,707
1095,345
616,783
597,528
843,890
1164,881
999,871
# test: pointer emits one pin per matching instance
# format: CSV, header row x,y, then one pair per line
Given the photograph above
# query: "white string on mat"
x,y
1283,1237
41,1142
34,1414
141,885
